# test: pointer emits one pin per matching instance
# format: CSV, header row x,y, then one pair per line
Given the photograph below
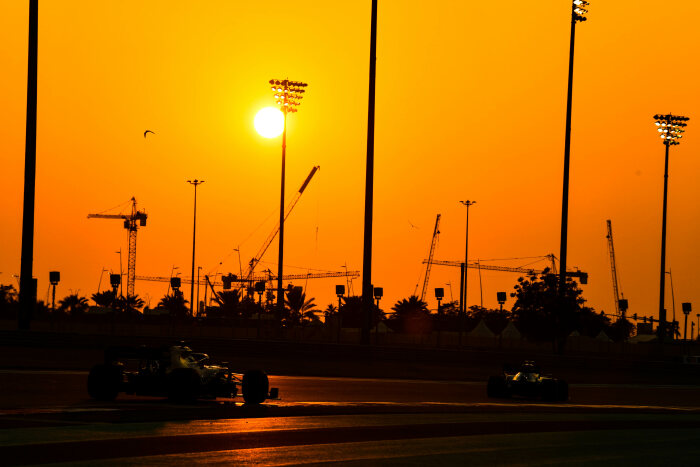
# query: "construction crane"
x,y
613,268
269,277
131,223
428,263
582,276
258,256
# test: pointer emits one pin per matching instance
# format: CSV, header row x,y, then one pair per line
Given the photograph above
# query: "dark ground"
x,y
36,350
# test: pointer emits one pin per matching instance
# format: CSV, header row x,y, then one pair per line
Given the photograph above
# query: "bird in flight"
x,y
148,131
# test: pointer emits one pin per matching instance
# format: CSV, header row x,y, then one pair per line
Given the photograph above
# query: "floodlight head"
x,y
579,11
287,94
671,127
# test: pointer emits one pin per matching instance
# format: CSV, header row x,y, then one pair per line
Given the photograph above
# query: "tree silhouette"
x,y
131,304
229,303
329,311
8,299
495,320
104,299
412,316
541,314
73,304
352,313
175,304
298,307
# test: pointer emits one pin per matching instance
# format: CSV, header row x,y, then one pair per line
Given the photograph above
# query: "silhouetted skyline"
x,y
470,105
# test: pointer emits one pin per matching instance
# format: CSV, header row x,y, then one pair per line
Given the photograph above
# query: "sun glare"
x,y
269,122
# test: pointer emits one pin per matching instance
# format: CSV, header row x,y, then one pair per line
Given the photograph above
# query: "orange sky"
x,y
470,105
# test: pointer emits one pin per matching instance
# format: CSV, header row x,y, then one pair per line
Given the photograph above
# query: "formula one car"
x,y
529,382
175,372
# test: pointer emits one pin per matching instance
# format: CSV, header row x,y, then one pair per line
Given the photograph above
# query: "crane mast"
x,y
428,264
132,222
613,268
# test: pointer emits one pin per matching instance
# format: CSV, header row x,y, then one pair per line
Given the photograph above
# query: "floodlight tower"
x,y
577,15
288,95
671,128
194,183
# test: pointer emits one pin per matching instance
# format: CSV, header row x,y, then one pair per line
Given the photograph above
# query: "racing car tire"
x,y
255,387
496,387
562,390
183,385
104,381
549,390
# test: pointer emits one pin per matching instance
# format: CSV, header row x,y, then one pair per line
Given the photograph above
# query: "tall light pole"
x,y
463,298
288,95
27,288
577,15
199,269
369,183
671,128
673,304
194,183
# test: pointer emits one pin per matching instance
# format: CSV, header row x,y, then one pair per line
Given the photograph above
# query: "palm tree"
x,y
104,299
299,307
229,302
130,304
73,304
175,304
352,312
329,311
412,315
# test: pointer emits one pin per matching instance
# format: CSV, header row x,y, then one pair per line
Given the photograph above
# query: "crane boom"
x,y
431,253
131,224
583,276
259,277
613,268
258,256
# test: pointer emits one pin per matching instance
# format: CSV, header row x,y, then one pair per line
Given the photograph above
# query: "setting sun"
x,y
269,122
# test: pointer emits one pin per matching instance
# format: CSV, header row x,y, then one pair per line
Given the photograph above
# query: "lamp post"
x,y
54,279
339,291
27,290
673,305
199,269
99,284
378,294
194,183
121,274
671,128
369,182
463,298
687,308
171,276
439,294
577,15
288,95
501,298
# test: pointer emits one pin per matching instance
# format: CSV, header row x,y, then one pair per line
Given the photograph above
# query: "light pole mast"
x,y
463,307
671,128
369,184
288,95
195,183
577,15
27,287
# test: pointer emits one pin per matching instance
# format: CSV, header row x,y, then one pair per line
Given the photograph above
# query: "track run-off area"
x,y
46,417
